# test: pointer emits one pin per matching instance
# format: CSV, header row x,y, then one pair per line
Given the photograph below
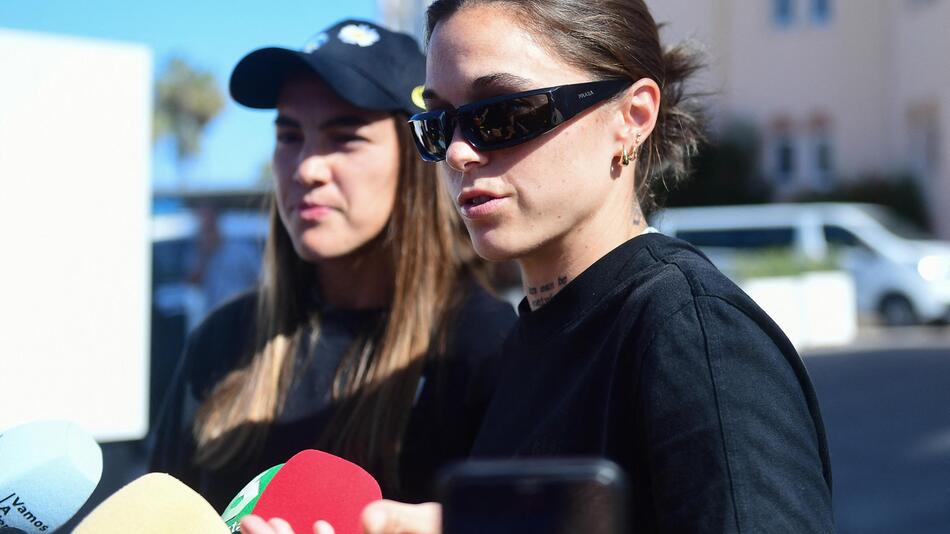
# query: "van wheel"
x,y
897,310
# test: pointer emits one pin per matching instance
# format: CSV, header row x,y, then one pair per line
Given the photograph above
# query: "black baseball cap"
x,y
365,64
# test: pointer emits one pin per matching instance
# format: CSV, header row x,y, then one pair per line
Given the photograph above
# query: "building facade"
x,y
837,89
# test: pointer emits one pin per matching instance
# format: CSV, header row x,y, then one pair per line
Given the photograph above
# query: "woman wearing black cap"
x,y
368,335
559,121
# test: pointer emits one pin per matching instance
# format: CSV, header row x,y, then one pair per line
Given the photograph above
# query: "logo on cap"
x,y
315,42
417,97
358,34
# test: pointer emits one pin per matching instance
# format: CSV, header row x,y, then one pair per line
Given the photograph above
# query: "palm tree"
x,y
186,100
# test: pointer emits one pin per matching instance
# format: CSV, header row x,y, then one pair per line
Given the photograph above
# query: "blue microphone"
x,y
48,469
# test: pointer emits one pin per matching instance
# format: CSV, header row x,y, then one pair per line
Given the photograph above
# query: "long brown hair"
x,y
376,383
617,39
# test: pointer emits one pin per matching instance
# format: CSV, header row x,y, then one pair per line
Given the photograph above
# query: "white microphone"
x,y
48,469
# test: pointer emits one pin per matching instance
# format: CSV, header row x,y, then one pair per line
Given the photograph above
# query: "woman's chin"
x,y
315,253
495,249
322,248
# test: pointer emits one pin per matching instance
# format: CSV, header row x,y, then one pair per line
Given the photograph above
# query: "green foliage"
x,y
780,262
725,171
901,193
186,100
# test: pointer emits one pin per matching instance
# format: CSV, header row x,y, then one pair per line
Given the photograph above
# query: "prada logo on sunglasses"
x,y
508,120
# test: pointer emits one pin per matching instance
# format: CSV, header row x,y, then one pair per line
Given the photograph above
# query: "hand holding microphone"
x,y
379,517
315,485
391,517
316,492
253,524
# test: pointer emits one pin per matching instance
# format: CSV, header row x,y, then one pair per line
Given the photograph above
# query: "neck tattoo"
x,y
540,295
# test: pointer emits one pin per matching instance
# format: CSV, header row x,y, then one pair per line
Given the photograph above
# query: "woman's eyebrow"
x,y
497,81
501,80
344,120
287,122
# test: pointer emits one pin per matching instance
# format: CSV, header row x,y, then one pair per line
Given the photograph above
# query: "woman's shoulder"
x,y
478,304
675,280
232,316
478,324
675,272
220,340
480,314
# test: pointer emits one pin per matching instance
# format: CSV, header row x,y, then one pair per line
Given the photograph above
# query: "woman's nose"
x,y
461,156
313,169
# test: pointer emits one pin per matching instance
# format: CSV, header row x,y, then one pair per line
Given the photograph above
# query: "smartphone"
x,y
534,496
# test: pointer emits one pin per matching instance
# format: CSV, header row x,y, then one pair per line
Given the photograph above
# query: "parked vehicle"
x,y
900,275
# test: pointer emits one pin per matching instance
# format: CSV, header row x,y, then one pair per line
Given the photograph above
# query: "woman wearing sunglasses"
x,y
368,336
559,122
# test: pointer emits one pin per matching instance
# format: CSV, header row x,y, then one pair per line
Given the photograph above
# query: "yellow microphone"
x,y
155,503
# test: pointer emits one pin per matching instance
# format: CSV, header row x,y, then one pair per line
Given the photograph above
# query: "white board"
x,y
75,128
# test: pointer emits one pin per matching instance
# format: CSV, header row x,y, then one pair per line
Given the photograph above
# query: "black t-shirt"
x,y
655,360
454,391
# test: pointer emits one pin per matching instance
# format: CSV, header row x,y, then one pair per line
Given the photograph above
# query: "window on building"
x,y
821,153
823,158
821,11
783,12
785,158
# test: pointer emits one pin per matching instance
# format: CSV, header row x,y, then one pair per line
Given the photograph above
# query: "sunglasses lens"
x,y
429,133
510,121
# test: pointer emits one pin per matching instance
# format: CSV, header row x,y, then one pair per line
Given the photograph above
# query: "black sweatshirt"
x,y
654,359
454,393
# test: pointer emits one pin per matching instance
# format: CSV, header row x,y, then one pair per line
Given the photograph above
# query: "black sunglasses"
x,y
508,120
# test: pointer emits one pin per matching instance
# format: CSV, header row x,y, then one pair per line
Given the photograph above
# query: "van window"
x,y
744,238
837,236
896,225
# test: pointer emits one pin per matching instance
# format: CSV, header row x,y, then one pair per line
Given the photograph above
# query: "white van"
x,y
899,274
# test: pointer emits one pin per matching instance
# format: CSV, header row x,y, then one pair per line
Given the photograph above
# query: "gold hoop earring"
x,y
624,156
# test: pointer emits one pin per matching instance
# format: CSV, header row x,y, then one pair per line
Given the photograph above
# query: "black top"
x,y
454,391
655,360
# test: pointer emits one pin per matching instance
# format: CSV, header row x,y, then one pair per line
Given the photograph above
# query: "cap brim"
x,y
259,77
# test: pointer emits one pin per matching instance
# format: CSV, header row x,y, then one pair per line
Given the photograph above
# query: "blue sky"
x,y
210,35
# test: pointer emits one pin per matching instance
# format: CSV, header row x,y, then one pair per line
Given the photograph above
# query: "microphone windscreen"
x,y
48,470
155,503
315,485
243,503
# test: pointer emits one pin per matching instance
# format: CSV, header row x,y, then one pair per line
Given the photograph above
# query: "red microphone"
x,y
315,485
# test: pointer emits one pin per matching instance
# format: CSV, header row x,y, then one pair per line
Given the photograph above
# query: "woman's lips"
x,y
475,206
313,212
